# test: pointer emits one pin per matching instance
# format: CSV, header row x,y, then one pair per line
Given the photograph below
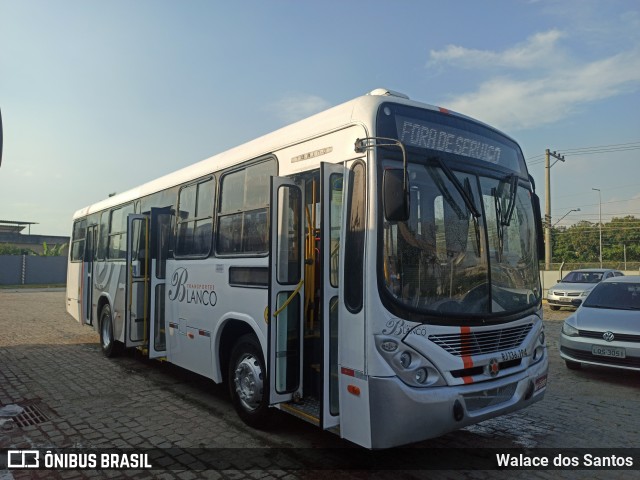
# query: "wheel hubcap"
x,y
248,382
106,332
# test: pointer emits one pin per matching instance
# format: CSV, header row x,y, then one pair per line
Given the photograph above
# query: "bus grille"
x,y
479,343
489,398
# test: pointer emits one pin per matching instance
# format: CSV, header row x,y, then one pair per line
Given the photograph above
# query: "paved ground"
x,y
53,366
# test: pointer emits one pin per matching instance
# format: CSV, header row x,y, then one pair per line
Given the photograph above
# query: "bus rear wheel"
x,y
107,341
248,382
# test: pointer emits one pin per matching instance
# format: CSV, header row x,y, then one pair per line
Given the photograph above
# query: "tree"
x,y
54,251
580,242
47,251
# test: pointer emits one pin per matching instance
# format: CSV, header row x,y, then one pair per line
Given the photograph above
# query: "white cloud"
x,y
540,50
546,94
296,107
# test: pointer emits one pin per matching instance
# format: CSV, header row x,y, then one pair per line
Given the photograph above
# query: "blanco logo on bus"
x,y
400,327
195,293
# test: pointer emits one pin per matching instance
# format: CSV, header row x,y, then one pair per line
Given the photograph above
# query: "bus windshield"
x,y
457,255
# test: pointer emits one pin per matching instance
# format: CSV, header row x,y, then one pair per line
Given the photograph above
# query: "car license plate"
x,y
565,299
608,351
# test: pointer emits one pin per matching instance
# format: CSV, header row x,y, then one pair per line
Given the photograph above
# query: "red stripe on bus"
x,y
465,346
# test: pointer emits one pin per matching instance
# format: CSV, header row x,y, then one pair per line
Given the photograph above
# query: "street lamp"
x,y
600,226
572,210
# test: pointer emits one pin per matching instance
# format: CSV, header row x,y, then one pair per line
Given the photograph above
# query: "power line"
x,y
612,146
620,147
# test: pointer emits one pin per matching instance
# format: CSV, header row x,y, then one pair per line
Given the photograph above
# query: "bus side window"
x,y
103,236
117,243
354,261
243,217
195,219
77,240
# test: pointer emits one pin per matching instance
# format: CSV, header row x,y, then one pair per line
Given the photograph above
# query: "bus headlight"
x,y
405,359
421,375
409,365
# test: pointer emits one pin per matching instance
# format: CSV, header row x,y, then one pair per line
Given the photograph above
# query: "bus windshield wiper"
x,y
505,215
476,223
446,194
468,199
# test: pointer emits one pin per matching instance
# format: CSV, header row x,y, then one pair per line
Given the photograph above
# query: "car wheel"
x,y
107,342
248,383
573,365
554,307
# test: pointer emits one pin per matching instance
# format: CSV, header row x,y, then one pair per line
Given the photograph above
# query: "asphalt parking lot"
x,y
53,367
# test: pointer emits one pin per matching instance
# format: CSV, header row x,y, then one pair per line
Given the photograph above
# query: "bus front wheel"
x,y
107,341
248,382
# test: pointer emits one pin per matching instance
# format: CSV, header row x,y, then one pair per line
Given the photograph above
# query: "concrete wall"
x,y
11,269
32,270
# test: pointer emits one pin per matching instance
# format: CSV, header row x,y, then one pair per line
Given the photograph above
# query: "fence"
x,y
32,270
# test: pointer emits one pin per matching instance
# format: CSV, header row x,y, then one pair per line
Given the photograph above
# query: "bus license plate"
x,y
514,354
608,351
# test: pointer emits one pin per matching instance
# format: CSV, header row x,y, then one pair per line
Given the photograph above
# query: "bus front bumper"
x,y
401,414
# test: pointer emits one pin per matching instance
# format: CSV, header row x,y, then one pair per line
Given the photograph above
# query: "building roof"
x,y
14,226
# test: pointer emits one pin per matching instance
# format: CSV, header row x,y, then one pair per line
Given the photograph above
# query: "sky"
x,y
100,96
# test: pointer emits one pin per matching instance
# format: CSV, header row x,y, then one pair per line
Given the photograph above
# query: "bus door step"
x,y
307,409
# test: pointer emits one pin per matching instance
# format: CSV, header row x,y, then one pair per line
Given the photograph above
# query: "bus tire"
x,y
248,385
107,341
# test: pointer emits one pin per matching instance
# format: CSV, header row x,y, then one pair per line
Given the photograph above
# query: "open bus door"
x,y
87,275
137,285
160,237
332,176
285,312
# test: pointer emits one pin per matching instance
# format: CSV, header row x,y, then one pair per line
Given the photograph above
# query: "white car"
x,y
605,330
577,285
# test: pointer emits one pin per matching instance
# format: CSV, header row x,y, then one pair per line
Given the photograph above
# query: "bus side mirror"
x,y
537,217
394,199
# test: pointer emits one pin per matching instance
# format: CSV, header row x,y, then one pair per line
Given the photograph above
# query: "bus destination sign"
x,y
417,133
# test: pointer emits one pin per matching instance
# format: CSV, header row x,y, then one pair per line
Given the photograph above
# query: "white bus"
x,y
372,269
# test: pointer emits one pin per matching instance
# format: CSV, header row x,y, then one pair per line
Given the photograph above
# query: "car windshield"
x,y
582,277
615,295
468,246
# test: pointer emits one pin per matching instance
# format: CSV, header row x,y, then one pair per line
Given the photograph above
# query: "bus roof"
x,y
361,110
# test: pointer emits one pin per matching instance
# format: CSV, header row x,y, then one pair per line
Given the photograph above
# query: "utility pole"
x,y
547,216
600,223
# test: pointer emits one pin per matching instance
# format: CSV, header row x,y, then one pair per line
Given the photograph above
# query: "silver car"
x,y
577,285
605,330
